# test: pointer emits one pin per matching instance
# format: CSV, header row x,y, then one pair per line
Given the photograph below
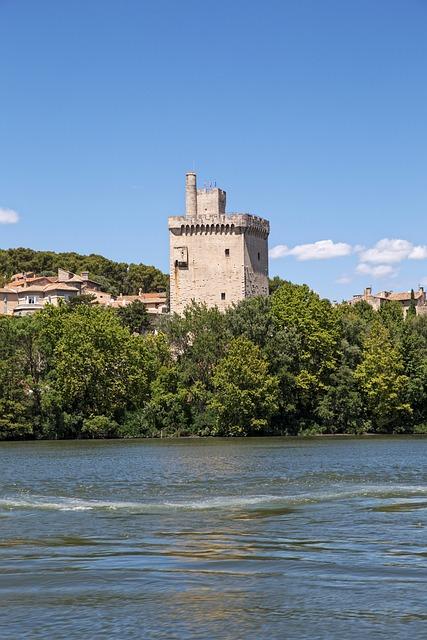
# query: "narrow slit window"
x,y
259,256
227,252
223,296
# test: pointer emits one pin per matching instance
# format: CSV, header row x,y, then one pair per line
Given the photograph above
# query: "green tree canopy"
x,y
246,395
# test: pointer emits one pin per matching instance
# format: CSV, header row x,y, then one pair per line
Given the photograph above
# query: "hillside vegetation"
x,y
115,277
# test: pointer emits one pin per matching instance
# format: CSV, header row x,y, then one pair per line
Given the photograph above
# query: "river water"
x,y
230,539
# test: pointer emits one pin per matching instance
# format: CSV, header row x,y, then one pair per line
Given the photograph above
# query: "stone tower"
x,y
215,257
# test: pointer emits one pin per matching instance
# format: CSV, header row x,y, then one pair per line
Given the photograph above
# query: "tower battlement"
x,y
225,223
217,258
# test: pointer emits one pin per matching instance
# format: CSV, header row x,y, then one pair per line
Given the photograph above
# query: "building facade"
x,y
404,298
27,293
216,258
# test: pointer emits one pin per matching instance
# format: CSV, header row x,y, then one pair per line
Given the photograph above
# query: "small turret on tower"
x,y
191,195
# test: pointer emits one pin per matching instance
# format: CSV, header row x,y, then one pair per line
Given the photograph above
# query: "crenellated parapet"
x,y
231,223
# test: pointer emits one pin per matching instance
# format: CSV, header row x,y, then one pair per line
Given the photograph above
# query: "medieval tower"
x,y
215,257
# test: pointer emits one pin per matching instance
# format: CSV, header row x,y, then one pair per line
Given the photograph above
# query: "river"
x,y
229,539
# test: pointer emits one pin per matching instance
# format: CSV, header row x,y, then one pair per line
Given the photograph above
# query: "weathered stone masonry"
x,y
215,257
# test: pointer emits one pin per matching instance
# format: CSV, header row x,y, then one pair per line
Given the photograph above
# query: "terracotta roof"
x,y
59,286
31,281
33,288
404,295
152,296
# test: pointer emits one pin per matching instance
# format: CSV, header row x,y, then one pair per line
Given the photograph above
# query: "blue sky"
x,y
310,113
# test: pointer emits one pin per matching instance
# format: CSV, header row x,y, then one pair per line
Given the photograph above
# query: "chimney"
x,y
368,292
191,195
85,275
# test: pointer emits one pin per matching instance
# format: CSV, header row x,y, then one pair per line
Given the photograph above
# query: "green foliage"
x,y
290,363
412,309
98,363
421,429
114,277
99,427
86,298
275,283
134,316
246,395
382,381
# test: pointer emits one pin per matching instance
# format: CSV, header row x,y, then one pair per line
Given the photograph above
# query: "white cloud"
x,y
320,250
378,271
392,251
418,253
278,251
8,216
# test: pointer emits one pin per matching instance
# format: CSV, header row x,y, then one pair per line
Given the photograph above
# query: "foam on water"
x,y
63,503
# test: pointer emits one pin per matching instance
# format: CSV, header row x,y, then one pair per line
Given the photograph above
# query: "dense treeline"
x,y
115,277
288,364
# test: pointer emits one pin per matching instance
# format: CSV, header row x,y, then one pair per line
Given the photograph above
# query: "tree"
x,y
316,328
98,367
253,319
86,298
246,395
341,408
391,315
134,316
412,309
413,349
99,427
15,398
275,283
198,339
383,384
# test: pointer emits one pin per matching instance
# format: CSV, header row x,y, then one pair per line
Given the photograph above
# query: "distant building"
x,y
216,258
155,303
377,300
27,293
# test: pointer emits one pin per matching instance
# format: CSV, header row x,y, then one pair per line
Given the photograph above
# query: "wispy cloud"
x,y
320,250
8,216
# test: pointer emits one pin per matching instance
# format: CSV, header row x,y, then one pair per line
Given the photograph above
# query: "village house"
x,y
377,300
155,303
28,292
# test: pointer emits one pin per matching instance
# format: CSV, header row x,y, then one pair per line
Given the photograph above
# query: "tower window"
x,y
227,252
223,296
259,256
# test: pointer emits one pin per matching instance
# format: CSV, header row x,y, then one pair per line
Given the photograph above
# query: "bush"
x,y
99,427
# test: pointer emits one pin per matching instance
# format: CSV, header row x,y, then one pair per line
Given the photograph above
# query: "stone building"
x,y
216,258
404,298
28,292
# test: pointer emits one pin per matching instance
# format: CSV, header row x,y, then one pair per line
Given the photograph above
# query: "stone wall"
x,y
217,259
211,202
